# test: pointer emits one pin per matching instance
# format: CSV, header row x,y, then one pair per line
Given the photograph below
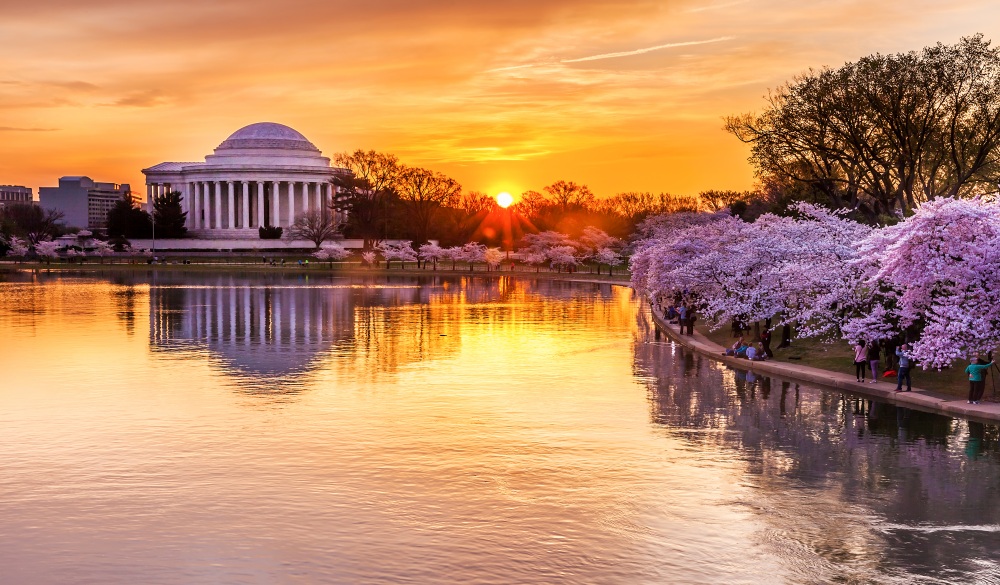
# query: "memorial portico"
x,y
265,174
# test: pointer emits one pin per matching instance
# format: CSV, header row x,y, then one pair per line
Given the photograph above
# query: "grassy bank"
x,y
839,357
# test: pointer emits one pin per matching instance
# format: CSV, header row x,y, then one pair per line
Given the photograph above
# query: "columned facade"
x,y
263,175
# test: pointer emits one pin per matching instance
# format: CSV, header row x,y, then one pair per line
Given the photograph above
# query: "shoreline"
x,y
918,399
315,268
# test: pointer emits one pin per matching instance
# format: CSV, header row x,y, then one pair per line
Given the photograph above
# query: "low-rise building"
x,y
83,202
10,194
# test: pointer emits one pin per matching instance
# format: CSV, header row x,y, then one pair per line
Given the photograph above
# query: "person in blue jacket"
x,y
903,353
977,379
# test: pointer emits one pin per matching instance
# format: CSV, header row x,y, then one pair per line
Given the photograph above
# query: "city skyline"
x,y
619,96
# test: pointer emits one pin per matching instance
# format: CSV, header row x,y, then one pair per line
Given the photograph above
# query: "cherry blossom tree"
x,y
369,257
433,252
18,248
47,249
607,256
402,251
73,253
937,275
454,254
563,257
594,240
798,270
493,257
543,242
473,252
330,254
102,249
536,259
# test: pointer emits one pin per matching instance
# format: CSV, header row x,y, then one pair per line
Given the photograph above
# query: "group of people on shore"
x,y
868,355
680,311
755,352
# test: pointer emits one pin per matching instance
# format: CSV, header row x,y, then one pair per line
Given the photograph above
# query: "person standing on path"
x,y
692,316
873,358
977,379
903,353
860,361
682,315
765,343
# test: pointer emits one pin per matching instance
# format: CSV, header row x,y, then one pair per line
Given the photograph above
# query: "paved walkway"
x,y
885,390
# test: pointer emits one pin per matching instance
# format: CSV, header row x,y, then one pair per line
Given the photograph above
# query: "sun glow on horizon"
x,y
504,199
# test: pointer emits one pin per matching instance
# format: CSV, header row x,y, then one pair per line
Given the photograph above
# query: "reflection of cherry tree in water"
x,y
860,487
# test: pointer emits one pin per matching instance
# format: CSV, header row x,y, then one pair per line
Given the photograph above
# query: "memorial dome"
x,y
267,135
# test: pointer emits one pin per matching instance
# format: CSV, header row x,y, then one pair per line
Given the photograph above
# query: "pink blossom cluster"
x,y
933,278
789,269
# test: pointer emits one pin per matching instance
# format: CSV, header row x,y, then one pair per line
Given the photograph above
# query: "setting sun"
x,y
504,199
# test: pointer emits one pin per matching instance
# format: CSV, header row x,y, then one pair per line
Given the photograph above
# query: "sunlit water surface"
x,y
192,428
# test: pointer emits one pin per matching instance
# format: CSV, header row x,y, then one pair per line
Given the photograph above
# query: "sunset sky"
x,y
503,96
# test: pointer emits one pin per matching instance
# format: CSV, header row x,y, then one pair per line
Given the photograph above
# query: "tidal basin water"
x,y
241,428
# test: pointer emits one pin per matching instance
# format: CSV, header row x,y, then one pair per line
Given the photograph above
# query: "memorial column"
x,y
275,188
218,205
232,205
260,203
245,208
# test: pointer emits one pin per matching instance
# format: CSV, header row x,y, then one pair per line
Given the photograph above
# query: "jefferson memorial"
x,y
265,174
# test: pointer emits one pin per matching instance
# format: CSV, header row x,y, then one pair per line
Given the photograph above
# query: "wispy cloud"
x,y
645,50
17,129
615,55
717,6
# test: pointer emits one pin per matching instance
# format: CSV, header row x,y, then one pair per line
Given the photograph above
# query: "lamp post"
x,y
152,216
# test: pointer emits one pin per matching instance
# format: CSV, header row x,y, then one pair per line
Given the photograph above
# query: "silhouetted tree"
x,y
31,222
423,193
126,220
315,226
569,195
169,216
886,132
368,194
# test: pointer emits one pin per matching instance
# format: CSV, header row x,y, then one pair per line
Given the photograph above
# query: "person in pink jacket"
x,y
860,360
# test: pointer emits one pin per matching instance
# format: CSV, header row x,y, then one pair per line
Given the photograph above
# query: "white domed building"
x,y
265,174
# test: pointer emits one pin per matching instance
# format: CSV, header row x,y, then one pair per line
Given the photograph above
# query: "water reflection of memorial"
x,y
274,328
260,328
810,452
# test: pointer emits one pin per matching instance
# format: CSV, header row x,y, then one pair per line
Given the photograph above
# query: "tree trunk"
x,y
786,336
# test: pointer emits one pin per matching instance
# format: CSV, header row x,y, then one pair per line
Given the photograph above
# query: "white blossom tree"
x,y
331,254
18,248
432,252
542,243
493,257
535,259
473,252
607,256
73,253
454,254
47,249
369,257
563,257
102,249
402,251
